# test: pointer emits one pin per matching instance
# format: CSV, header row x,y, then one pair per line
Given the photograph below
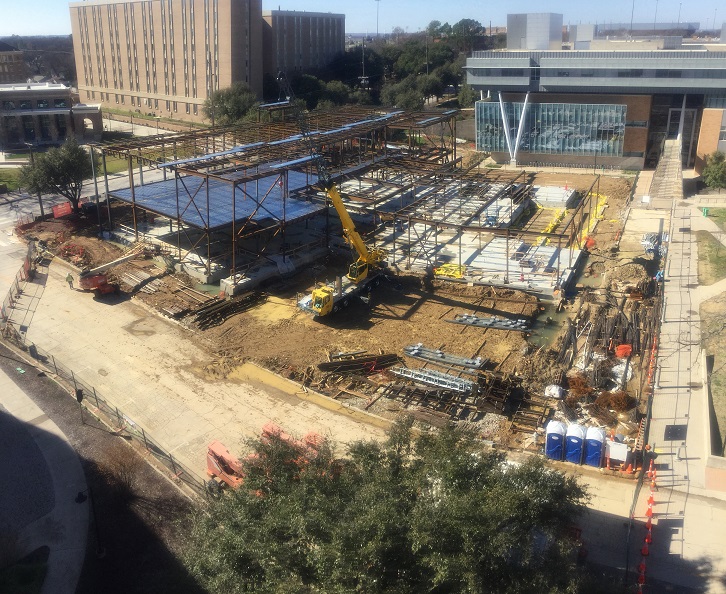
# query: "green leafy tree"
x,y
308,88
434,28
430,85
432,514
465,33
467,96
337,92
59,171
714,173
230,105
404,95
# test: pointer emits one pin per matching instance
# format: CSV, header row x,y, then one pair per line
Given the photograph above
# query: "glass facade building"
x,y
552,128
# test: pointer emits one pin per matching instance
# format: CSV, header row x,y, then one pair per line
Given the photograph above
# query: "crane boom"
x,y
359,269
327,299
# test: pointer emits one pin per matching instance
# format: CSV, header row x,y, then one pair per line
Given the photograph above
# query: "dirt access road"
x,y
152,370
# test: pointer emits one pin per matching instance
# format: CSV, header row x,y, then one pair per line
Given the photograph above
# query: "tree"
x,y
337,92
230,105
467,96
60,171
431,514
404,95
433,29
714,173
430,85
465,32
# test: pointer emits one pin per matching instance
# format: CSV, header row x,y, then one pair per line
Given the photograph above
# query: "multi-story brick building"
x,y
164,57
12,66
296,41
43,114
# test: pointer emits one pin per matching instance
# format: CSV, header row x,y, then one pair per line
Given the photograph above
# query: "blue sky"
x,y
47,17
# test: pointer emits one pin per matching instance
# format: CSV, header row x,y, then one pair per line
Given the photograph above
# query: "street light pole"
x,y
378,6
40,197
95,189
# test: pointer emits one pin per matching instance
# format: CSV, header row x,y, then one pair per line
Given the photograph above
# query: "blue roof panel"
x,y
258,200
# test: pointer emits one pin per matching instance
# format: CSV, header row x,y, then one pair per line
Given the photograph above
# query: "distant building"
x,y
165,57
43,114
296,42
611,105
12,66
534,31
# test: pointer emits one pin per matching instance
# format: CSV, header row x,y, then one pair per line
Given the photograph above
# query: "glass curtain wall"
x,y
553,128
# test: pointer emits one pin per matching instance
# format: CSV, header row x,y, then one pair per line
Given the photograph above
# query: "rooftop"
x,y
33,87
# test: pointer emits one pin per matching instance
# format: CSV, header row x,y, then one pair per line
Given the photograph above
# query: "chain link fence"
x,y
86,394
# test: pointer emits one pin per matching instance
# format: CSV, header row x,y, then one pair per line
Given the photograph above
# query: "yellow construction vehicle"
x,y
367,270
363,274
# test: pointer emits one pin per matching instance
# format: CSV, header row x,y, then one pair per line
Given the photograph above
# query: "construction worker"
x,y
69,280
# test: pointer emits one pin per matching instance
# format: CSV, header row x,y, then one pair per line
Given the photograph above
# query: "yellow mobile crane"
x,y
367,270
363,274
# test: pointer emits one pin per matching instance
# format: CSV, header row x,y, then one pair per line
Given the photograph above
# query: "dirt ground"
x,y
406,310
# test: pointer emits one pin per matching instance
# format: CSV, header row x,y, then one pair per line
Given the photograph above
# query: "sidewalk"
x,y
40,472
42,477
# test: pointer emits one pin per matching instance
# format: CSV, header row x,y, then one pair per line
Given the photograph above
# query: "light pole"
x,y
378,6
95,188
632,12
32,163
157,118
655,17
680,5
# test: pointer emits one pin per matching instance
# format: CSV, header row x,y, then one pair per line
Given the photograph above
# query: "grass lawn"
x,y
9,177
114,165
713,337
718,216
711,259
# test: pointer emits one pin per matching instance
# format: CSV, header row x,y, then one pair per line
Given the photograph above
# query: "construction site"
x,y
370,257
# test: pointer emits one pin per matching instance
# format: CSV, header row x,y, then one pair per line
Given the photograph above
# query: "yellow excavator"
x,y
363,274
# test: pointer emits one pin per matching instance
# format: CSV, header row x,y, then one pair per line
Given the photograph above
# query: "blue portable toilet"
x,y
555,440
575,443
594,446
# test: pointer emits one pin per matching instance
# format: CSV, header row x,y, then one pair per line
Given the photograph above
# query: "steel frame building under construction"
x,y
240,204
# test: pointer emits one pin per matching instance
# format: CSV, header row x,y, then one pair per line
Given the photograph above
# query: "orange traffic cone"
x,y
641,579
651,500
645,551
649,523
649,537
650,469
641,567
649,511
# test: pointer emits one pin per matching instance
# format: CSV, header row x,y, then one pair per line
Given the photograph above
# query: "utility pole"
x,y
32,163
95,188
427,53
378,6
